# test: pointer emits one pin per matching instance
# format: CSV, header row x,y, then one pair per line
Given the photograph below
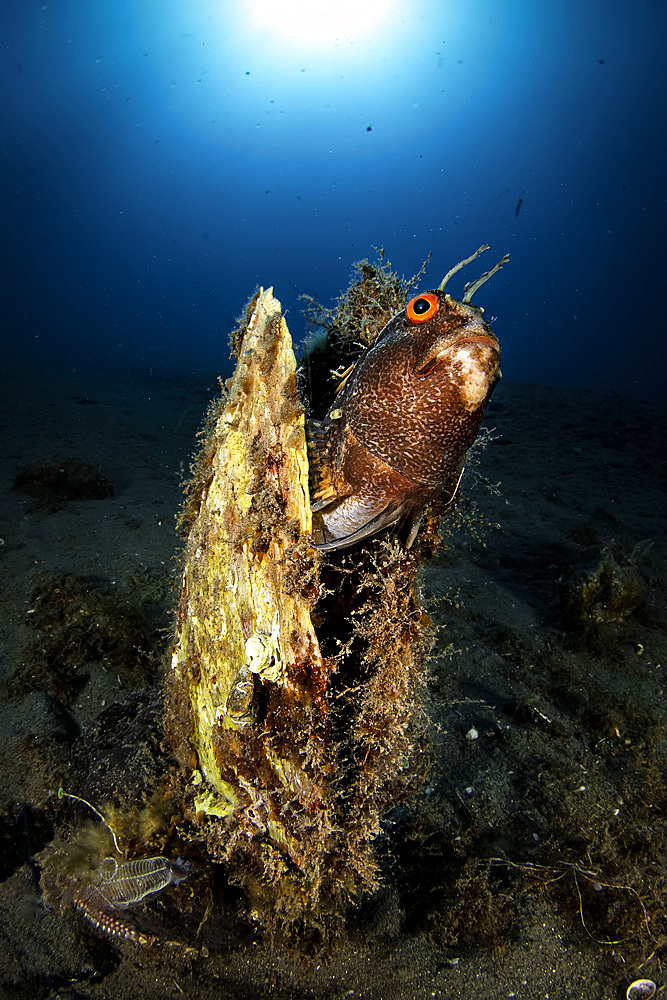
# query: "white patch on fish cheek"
x,y
473,380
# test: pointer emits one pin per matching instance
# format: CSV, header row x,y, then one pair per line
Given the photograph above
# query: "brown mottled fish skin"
x,y
401,423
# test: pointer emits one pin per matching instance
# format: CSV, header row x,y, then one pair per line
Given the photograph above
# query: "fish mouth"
x,y
436,360
478,339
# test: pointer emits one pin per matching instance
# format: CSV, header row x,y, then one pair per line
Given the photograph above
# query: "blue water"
x,y
161,159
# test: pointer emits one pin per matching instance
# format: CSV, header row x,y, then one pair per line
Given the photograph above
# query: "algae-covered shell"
x,y
293,743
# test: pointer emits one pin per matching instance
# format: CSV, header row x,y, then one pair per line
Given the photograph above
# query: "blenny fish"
x,y
403,418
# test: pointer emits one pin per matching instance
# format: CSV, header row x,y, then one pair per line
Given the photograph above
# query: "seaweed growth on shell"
x,y
375,294
342,332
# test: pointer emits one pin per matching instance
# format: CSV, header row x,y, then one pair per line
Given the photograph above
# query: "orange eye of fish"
x,y
423,307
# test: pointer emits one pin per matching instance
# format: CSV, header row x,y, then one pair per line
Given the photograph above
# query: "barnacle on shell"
x,y
239,706
264,654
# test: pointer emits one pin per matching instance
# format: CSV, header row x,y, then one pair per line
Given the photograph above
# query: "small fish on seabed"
x,y
403,418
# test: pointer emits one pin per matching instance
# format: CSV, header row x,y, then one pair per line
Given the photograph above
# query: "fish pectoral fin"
x,y
320,504
414,520
389,515
322,486
343,376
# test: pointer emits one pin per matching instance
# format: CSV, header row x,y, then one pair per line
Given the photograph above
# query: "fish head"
x,y
451,345
416,397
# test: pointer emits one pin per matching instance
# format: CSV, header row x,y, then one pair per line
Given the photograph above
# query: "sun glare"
x,y
322,22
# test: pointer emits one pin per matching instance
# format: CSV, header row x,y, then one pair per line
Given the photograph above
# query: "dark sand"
x,y
532,846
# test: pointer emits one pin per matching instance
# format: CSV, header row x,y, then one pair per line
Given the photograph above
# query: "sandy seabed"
x,y
532,865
